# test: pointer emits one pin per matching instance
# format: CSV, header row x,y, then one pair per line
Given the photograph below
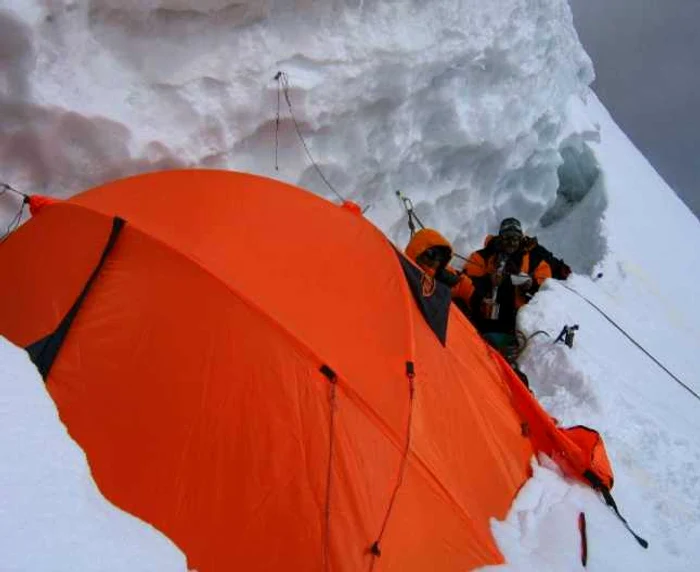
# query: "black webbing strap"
x,y
434,303
610,501
45,351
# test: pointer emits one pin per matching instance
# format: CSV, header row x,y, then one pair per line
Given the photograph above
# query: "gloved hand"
x,y
448,278
521,281
489,309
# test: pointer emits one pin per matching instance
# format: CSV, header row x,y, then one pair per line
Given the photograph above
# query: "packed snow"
x,y
52,516
474,109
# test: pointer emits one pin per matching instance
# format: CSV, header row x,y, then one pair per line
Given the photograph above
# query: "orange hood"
x,y
423,240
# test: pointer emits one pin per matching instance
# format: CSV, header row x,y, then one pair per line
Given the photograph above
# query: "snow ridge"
x,y
460,103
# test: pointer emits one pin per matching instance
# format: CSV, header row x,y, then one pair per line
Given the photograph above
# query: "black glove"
x,y
447,278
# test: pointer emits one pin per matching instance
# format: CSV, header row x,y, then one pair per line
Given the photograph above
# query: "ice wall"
x,y
459,103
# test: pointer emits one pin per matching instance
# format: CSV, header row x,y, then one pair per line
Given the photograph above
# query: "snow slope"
x,y
650,421
476,110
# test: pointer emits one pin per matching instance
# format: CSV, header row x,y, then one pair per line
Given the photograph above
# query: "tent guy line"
x,y
14,223
283,87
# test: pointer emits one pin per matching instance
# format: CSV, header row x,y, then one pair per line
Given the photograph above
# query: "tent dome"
x,y
247,368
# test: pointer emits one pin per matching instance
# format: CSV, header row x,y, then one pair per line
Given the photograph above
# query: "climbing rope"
x,y
14,223
523,341
283,88
631,339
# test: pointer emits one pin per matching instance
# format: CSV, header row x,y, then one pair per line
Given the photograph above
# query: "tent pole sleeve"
x,y
45,351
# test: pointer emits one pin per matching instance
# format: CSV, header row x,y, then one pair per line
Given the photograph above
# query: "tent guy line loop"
x,y
14,223
4,187
277,122
631,339
283,88
333,406
375,548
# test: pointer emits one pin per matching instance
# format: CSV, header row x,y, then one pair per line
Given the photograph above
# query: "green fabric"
x,y
500,340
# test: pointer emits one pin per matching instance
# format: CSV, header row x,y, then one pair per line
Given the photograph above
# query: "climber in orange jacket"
x,y
503,278
432,253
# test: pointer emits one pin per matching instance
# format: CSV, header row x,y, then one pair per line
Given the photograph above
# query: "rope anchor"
x,y
408,206
567,335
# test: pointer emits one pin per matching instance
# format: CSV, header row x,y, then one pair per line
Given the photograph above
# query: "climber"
x,y
432,253
504,279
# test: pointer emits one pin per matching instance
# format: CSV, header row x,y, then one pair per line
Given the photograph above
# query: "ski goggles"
x,y
435,254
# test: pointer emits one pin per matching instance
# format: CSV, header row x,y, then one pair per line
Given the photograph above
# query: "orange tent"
x,y
248,368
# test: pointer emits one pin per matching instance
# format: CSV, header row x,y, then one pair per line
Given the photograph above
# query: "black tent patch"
x,y
44,352
433,298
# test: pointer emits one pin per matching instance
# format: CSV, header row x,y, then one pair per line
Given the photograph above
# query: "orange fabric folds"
x,y
249,373
591,444
579,451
